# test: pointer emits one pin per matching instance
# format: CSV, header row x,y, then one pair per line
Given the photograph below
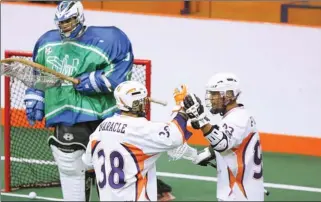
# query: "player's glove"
x,y
93,82
183,151
206,157
179,95
34,101
195,111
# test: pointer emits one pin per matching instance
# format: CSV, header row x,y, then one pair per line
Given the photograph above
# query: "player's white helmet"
x,y
221,89
131,96
70,19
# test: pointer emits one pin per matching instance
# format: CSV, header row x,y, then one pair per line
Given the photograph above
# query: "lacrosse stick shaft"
x,y
59,75
161,102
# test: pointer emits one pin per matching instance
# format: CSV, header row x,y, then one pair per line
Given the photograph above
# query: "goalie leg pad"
x,y
72,173
68,144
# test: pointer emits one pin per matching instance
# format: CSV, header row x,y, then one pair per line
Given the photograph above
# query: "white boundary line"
x,y
26,196
214,179
34,161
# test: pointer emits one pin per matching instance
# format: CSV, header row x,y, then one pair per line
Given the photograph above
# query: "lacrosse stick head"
x,y
28,75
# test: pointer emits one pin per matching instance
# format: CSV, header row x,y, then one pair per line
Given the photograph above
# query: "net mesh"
x,y
29,75
31,160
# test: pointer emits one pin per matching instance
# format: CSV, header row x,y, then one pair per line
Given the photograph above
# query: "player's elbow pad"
x,y
99,82
103,82
217,139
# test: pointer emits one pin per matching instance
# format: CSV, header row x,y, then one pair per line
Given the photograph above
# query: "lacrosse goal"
x,y
28,159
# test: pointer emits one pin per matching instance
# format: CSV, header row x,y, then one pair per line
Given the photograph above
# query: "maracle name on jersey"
x,y
113,127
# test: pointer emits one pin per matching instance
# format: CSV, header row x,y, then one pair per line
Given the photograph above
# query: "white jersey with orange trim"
x,y
123,151
240,166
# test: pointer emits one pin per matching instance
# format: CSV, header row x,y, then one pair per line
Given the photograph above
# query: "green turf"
x,y
278,168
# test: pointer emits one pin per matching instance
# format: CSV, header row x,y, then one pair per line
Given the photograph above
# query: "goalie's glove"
x,y
195,111
34,101
93,82
206,157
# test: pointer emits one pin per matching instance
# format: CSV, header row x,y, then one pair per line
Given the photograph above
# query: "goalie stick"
x,y
24,70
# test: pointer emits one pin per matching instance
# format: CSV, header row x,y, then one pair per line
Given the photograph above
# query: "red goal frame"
x,y
7,108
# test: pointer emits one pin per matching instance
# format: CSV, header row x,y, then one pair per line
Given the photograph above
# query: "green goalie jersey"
x,y
106,48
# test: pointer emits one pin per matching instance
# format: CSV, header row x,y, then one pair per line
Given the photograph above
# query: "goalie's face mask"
x,y
140,107
66,27
70,19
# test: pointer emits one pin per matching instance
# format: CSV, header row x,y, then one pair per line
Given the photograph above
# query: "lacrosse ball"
x,y
32,195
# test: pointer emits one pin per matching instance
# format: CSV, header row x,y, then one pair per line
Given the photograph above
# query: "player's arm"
x,y
183,150
34,99
35,51
166,136
117,70
122,60
220,139
157,137
180,149
217,137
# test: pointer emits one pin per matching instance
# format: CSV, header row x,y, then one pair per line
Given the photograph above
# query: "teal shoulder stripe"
x,y
91,48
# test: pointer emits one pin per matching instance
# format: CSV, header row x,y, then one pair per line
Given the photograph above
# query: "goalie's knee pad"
x,y
71,163
72,173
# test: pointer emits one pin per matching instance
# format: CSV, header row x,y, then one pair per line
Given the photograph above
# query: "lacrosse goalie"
x,y
234,142
100,58
124,148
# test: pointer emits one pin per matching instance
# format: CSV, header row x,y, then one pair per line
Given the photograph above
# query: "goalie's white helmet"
x,y
131,96
70,19
221,90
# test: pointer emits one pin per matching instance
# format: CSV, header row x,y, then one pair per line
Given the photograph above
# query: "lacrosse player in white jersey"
x,y
124,148
234,142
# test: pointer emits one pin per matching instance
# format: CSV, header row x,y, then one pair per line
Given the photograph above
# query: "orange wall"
x,y
304,16
246,10
156,7
263,11
95,5
236,10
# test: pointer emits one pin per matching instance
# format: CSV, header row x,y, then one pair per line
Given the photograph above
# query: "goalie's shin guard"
x,y
72,174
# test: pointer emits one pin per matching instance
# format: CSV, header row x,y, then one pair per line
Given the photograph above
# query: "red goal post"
x,y
28,161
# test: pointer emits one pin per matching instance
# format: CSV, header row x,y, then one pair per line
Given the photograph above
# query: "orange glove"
x,y
179,95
